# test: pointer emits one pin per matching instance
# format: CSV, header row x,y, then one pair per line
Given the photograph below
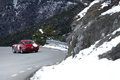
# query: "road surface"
x,y
20,66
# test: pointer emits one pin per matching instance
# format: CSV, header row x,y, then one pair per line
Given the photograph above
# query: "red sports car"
x,y
24,46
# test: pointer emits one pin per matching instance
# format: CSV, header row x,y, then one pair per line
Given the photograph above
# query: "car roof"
x,y
25,40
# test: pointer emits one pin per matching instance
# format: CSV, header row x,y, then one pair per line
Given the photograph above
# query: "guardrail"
x,y
57,43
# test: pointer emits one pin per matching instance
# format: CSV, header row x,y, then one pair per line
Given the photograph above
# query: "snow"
x,y
105,4
39,1
85,66
15,3
113,10
83,12
56,45
41,31
116,31
83,2
69,3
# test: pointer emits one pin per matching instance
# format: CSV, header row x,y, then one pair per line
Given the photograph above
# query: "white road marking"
x,y
29,68
14,75
21,71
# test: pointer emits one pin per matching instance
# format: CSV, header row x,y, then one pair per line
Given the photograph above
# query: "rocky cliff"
x,y
100,21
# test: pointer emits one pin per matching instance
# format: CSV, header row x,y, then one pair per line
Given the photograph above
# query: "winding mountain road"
x,y
20,66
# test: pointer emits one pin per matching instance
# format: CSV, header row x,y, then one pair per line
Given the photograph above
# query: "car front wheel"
x,y
21,50
13,50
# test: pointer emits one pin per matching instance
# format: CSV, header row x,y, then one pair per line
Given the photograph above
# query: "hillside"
x,y
19,17
95,23
61,22
18,14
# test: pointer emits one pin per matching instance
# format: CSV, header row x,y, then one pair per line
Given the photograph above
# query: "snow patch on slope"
x,y
15,3
83,12
83,2
113,10
105,4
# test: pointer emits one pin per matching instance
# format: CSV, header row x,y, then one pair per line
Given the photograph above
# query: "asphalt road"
x,y
20,66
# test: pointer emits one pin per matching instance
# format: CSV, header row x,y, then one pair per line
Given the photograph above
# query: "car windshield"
x,y
29,42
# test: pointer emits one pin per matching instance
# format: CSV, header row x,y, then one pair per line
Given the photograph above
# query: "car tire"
x,y
36,51
21,50
13,50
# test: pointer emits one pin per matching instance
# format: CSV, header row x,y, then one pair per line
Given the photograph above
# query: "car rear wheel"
x,y
13,50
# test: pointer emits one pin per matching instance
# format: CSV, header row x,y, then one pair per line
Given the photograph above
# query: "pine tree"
x,y
39,37
51,33
48,33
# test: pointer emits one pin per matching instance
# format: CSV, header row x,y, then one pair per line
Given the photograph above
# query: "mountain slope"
x,y
60,22
17,14
94,23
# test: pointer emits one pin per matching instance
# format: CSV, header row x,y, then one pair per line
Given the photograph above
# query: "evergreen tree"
x,y
51,33
48,33
39,38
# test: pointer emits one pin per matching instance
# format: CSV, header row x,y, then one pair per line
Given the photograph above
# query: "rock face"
x,y
96,25
16,14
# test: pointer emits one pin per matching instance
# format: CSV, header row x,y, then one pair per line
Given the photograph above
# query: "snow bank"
x,y
58,47
85,66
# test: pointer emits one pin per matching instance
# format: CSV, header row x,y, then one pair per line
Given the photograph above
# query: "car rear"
x,y
31,45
